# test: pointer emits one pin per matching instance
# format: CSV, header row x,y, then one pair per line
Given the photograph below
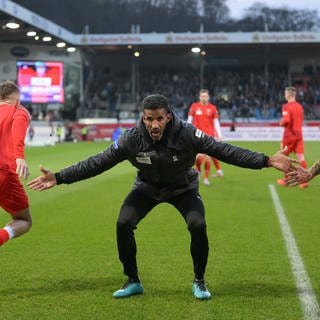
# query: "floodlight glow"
x,y
46,39
13,25
36,38
136,54
195,49
71,49
61,44
31,33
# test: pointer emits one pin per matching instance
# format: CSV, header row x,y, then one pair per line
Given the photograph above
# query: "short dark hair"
x,y
155,101
7,88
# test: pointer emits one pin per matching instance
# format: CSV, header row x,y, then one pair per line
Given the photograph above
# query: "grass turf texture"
x,y
67,266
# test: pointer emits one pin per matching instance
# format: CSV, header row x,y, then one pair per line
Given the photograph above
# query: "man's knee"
x,y
126,219
196,223
124,224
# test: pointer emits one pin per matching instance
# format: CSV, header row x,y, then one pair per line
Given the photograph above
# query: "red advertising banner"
x,y
242,130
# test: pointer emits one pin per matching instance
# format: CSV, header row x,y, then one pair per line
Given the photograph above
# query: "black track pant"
x,y
137,205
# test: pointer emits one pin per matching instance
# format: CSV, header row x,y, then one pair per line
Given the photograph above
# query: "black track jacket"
x,y
165,167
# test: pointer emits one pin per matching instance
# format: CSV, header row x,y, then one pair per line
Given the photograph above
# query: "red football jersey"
x,y
14,122
203,117
292,120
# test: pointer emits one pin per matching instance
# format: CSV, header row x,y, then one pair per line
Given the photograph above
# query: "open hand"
x,y
22,168
300,175
282,162
46,181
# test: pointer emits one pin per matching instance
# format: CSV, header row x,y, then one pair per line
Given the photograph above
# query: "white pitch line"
x,y
308,300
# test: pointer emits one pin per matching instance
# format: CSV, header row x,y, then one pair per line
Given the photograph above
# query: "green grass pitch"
x,y
67,266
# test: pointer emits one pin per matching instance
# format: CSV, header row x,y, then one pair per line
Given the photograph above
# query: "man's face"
x,y
156,121
288,95
204,97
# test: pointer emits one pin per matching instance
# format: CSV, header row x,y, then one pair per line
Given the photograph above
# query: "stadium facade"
x,y
124,62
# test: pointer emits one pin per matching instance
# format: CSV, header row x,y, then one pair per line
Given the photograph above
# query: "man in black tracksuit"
x,y
163,149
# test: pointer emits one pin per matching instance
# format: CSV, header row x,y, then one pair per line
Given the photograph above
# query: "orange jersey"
x,y
203,117
14,122
292,120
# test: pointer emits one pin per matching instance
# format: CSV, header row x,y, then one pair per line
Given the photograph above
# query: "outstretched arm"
x,y
302,175
46,181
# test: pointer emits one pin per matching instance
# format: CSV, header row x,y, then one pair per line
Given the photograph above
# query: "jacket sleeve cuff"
x,y
266,162
58,178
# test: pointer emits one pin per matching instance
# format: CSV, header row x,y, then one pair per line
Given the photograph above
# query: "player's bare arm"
x,y
315,169
302,175
46,181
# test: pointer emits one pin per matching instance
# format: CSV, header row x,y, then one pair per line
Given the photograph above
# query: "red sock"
x,y
4,236
300,157
207,167
216,164
304,164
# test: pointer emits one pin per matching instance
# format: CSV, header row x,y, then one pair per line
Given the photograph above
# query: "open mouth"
x,y
155,133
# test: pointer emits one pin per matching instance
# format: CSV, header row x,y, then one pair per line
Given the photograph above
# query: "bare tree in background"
x,y
258,16
117,16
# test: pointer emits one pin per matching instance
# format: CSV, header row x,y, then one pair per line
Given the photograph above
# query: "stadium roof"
x,y
30,21
13,35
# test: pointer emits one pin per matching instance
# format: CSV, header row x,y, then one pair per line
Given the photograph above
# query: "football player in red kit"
x,y
292,121
204,116
14,121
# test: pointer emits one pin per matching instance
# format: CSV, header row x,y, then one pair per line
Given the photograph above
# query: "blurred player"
x,y
292,120
59,133
14,121
204,116
31,133
50,118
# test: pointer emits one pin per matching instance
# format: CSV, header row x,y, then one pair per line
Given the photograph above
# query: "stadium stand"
x,y
105,79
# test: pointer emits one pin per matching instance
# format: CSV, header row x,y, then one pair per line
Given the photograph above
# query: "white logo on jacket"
x,y
144,160
199,133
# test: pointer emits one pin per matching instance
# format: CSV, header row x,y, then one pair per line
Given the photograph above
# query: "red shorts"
x,y
294,145
13,197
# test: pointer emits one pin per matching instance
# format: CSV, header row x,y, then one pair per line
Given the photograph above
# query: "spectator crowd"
x,y
246,93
